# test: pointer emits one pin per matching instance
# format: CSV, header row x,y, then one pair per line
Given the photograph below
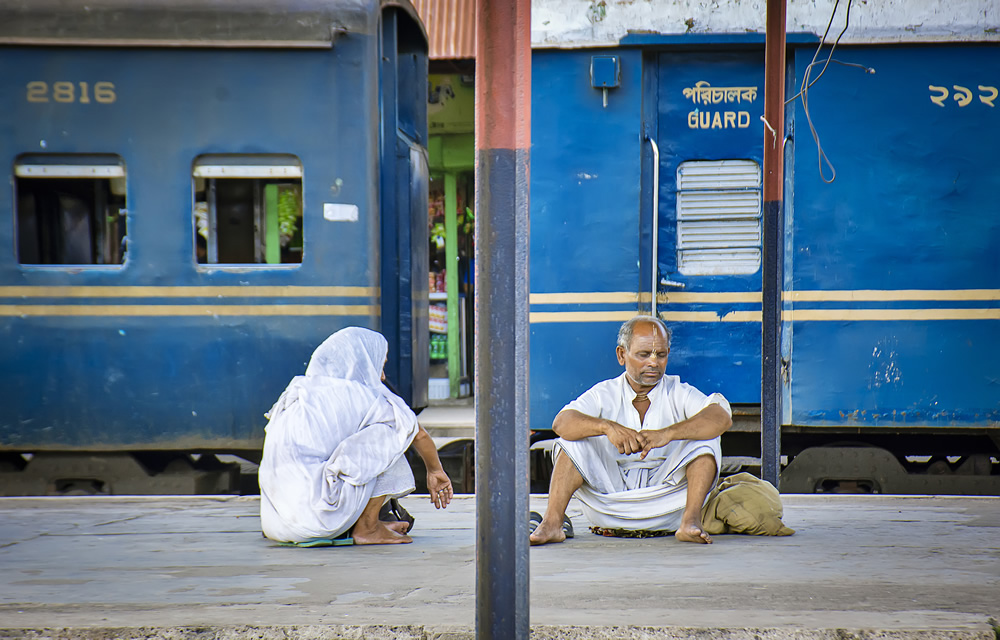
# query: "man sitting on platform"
x,y
641,451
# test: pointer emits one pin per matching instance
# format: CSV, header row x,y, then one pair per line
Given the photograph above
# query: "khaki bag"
x,y
743,503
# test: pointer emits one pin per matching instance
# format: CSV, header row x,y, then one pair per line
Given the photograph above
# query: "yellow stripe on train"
x,y
790,315
186,292
194,310
754,297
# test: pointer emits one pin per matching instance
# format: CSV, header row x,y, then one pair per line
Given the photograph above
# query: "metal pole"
x,y
773,242
503,140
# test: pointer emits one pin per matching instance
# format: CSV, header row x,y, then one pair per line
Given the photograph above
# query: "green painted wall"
x,y
451,123
451,104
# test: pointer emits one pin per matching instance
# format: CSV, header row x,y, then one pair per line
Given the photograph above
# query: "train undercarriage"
x,y
953,461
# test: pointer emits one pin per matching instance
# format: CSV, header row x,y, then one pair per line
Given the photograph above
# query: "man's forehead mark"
x,y
656,333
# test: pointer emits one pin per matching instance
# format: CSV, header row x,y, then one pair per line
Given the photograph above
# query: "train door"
x,y
707,247
404,188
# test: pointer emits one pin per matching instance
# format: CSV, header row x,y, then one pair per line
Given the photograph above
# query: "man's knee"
x,y
565,463
705,460
702,467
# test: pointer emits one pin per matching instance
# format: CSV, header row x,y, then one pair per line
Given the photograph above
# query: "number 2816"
x,y
82,92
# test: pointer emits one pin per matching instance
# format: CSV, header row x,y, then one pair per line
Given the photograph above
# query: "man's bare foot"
x,y
547,532
398,526
692,533
380,534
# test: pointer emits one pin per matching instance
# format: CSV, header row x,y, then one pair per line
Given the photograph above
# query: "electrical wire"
x,y
821,156
834,60
808,82
822,41
806,85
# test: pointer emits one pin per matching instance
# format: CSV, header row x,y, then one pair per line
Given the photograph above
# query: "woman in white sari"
x,y
334,449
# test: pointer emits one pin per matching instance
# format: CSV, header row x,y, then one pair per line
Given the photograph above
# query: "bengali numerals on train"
x,y
71,92
962,96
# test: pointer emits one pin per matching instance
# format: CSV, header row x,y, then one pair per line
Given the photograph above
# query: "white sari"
x,y
335,438
622,491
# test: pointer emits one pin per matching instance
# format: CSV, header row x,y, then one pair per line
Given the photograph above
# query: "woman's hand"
x,y
438,482
439,486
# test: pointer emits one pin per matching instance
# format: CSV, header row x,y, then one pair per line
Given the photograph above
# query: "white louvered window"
x,y
718,217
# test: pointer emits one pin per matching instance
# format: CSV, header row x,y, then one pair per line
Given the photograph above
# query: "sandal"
x,y
535,519
343,540
392,511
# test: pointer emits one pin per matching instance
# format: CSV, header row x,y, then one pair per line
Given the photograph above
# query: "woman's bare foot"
x,y
548,532
692,533
379,534
397,525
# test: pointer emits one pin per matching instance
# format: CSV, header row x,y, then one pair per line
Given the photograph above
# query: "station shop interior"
x,y
451,220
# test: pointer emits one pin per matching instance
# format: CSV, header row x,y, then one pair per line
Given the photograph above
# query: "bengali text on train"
x,y
705,95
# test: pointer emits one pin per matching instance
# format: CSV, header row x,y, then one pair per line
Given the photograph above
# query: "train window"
x,y
718,217
70,209
247,209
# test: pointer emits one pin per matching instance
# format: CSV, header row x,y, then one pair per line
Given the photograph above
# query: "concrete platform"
x,y
152,567
455,421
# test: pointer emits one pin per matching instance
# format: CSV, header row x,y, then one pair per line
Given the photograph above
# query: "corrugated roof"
x,y
451,27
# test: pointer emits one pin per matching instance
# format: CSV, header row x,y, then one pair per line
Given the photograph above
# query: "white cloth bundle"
x,y
335,438
622,491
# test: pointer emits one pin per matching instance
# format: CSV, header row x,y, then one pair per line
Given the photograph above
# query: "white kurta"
x,y
336,438
623,491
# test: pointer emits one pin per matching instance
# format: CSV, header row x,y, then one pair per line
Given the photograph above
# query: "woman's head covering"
x,y
354,353
357,355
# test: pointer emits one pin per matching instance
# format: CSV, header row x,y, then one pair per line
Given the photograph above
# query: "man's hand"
x,y
625,440
655,438
439,486
711,422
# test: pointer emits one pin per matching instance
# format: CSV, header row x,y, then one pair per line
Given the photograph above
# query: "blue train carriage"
x,y
647,149
199,194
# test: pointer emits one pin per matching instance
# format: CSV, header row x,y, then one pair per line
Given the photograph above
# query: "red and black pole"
x,y
503,141
773,242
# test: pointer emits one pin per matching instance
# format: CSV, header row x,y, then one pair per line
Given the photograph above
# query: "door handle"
x,y
672,283
656,223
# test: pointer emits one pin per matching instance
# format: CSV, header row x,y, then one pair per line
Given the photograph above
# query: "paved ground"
x,y
103,567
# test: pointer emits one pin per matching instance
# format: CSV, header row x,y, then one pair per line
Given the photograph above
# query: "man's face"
x,y
645,359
